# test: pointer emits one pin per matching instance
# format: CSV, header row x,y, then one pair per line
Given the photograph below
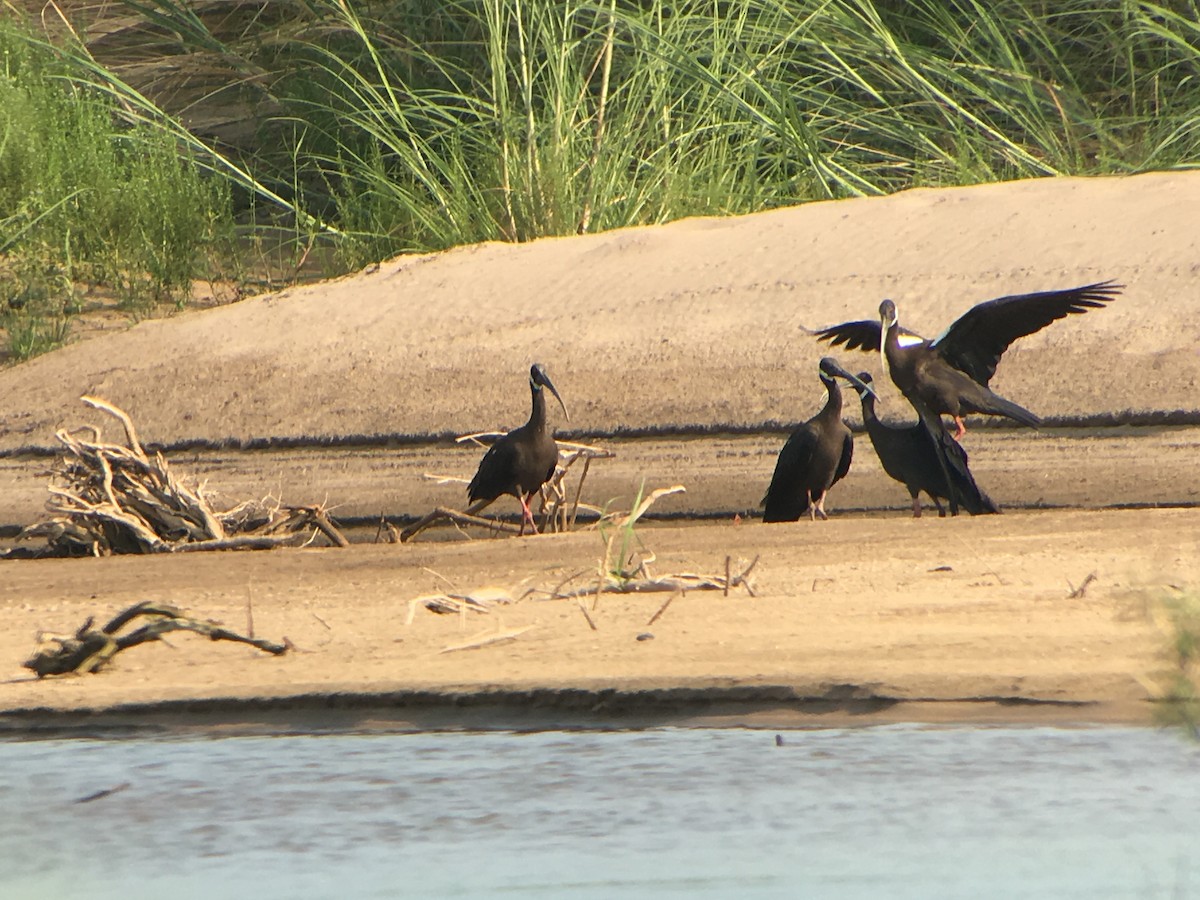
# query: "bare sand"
x,y
693,328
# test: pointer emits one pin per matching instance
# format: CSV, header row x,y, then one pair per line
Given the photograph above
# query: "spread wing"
x,y
975,341
863,335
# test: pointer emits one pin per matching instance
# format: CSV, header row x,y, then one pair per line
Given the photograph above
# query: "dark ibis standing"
x,y
949,375
524,459
815,457
909,454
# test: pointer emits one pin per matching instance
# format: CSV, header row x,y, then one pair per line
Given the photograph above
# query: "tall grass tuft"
x,y
514,119
414,126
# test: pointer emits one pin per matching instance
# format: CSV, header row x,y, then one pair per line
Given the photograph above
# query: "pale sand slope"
x,y
692,323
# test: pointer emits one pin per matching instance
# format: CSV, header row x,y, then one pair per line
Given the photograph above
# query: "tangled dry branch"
x,y
115,498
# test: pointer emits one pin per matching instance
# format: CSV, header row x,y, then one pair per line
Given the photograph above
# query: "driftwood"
x,y
556,512
115,498
89,650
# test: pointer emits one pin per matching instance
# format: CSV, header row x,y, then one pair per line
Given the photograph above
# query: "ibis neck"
x,y
833,404
537,414
868,409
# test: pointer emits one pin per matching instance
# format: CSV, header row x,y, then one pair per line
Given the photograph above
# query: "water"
x,y
895,811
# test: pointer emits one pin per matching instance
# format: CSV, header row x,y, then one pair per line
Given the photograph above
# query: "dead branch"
x,y
89,650
445,513
110,498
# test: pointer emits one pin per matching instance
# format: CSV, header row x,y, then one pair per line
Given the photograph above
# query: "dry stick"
x,y
437,574
744,578
1078,592
726,591
662,609
496,638
130,432
321,521
239,542
249,609
454,515
587,461
583,609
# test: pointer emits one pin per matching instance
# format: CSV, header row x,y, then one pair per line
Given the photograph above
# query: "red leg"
x,y
527,515
962,428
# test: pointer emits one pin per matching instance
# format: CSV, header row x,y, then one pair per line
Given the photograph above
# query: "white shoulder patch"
x,y
910,340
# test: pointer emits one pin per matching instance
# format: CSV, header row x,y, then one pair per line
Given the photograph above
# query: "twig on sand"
x,y
496,637
662,609
1078,592
586,614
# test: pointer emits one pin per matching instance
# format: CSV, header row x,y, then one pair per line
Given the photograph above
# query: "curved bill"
x,y
830,366
540,377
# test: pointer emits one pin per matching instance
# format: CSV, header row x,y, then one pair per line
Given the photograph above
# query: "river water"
x,y
888,811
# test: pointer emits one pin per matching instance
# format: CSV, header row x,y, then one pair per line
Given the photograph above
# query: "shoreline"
x,y
559,709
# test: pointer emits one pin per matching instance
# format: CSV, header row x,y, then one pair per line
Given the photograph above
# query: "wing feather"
x,y
977,339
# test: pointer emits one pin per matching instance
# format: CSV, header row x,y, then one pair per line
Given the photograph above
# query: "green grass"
x,y
410,126
1180,705
89,201
417,127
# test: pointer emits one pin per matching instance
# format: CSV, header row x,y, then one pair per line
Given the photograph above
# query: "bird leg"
x,y
961,426
819,507
916,506
526,514
938,503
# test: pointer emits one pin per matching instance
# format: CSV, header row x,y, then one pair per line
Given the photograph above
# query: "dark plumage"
x,y
909,454
815,457
524,459
949,375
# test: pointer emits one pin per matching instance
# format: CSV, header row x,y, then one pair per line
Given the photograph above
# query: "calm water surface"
x,y
868,812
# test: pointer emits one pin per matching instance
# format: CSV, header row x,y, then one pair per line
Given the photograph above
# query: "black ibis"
x,y
524,459
949,375
909,454
815,457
